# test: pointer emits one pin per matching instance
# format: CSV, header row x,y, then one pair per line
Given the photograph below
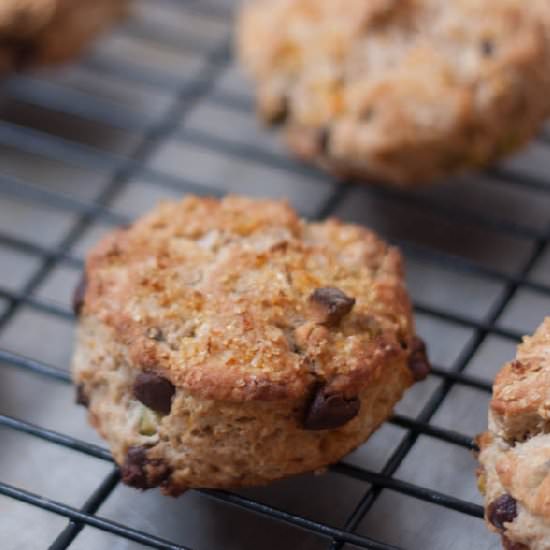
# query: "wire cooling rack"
x,y
158,109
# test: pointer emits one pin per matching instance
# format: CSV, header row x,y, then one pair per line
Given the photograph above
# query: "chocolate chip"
x,y
328,305
278,115
154,392
323,140
23,50
24,54
328,411
502,510
132,470
141,472
509,545
81,397
418,360
78,294
487,48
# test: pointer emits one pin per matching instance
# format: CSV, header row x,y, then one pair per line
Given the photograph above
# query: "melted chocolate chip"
x,y
132,470
329,411
154,392
81,398
329,305
418,360
78,294
502,510
141,472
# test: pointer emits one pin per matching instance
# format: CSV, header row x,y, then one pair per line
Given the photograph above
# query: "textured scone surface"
x,y
37,32
515,452
400,90
521,393
266,345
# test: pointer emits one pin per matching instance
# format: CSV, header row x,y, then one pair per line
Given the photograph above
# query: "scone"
x,y
39,32
226,343
515,452
401,91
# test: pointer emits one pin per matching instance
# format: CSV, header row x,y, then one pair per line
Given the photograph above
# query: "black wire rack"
x,y
25,97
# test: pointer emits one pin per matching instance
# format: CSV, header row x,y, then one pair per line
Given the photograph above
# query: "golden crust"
x,y
402,91
39,32
227,343
515,452
212,294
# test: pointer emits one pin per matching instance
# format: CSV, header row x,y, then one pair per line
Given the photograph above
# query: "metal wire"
x,y
122,169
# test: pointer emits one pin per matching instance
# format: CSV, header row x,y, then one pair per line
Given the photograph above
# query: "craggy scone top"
x,y
515,452
405,90
239,299
521,394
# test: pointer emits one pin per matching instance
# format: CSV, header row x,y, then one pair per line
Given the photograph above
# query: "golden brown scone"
x,y
226,343
521,393
39,32
515,452
402,91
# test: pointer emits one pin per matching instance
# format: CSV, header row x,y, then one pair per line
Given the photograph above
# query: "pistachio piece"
x,y
148,422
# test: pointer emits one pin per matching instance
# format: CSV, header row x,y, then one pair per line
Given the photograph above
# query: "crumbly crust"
x,y
213,299
521,393
403,91
515,452
214,443
39,32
